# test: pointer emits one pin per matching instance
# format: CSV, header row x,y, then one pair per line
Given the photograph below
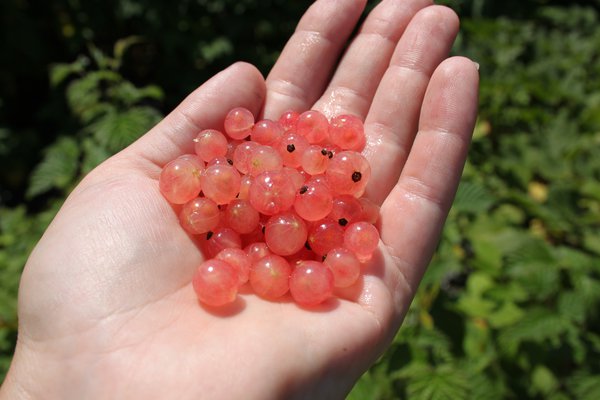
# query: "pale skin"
x,y
106,307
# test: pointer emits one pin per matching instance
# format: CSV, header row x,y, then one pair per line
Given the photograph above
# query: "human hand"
x,y
106,305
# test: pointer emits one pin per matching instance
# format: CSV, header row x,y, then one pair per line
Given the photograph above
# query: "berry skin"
x,y
238,259
272,192
362,238
344,265
313,126
179,180
285,233
241,216
348,173
199,215
288,120
291,147
348,132
215,283
221,183
266,132
313,201
221,239
209,144
311,283
269,276
257,250
264,159
239,123
324,236
315,159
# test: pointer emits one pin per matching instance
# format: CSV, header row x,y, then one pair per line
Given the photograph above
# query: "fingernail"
x,y
476,65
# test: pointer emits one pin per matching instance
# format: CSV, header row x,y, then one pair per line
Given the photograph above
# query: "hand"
x,y
106,306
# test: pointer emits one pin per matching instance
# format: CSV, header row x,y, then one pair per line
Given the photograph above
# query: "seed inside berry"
x,y
356,176
343,221
290,148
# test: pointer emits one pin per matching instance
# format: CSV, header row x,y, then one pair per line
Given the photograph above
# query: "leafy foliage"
x,y
509,305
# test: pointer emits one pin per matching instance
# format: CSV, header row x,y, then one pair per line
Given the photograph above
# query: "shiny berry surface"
x,y
311,283
313,126
179,181
215,283
348,173
199,215
285,233
221,183
347,132
269,276
209,144
272,192
239,123
362,238
238,259
344,265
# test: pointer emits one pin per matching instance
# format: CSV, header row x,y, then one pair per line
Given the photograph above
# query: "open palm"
x,y
106,304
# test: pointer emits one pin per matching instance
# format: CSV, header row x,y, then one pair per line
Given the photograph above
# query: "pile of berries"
x,y
278,204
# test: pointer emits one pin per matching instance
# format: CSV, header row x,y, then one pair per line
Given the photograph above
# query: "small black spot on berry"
x,y
303,189
230,161
263,230
343,221
330,154
323,258
325,152
356,176
291,148
307,245
209,235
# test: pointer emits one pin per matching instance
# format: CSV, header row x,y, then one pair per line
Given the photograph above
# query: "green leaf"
x,y
60,72
58,168
472,197
543,381
116,130
585,386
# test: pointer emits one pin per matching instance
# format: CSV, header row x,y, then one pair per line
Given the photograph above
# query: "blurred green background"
x,y
509,306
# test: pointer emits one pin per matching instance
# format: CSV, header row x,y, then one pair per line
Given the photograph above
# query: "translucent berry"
x,y
313,201
291,146
239,123
219,161
209,144
269,276
285,233
324,236
311,283
194,159
344,265
215,283
245,184
348,132
238,259
199,215
313,126
221,239
297,177
179,181
272,192
288,120
266,132
257,250
346,209
315,159
348,173
263,159
241,155
221,183
362,238
241,216
370,210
